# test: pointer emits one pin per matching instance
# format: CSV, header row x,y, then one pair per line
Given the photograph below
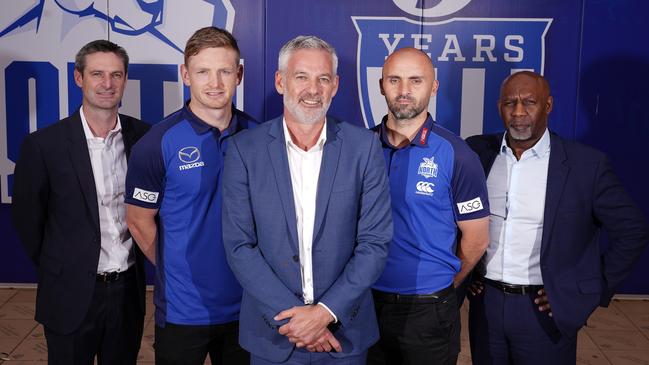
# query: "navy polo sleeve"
x,y
146,171
469,186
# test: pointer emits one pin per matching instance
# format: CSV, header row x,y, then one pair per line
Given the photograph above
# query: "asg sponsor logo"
x,y
145,196
37,81
190,156
471,55
425,188
470,206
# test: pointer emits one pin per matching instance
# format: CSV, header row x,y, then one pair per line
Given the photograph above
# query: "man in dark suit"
x,y
68,209
306,221
543,273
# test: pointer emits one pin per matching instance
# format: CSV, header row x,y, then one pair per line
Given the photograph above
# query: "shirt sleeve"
x,y
146,173
469,186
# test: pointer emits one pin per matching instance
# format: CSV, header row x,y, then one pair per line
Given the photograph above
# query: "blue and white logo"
x,y
435,8
471,56
428,168
42,37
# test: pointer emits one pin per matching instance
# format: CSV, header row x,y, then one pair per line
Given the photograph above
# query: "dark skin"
x,y
524,105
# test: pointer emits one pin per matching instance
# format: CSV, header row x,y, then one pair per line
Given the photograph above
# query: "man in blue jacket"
x,y
306,221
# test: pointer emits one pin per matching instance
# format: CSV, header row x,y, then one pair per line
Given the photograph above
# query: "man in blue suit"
x,y
543,273
306,221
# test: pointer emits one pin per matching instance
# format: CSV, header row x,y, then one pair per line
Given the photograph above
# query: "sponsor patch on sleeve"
x,y
145,196
470,206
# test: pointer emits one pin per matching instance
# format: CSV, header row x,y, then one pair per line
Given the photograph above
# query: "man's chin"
x,y
520,137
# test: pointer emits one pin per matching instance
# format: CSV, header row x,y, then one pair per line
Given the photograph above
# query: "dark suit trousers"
x,y
112,328
509,329
190,344
417,333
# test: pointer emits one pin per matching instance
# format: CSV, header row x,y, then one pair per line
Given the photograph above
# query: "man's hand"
x,y
306,326
326,343
542,302
476,287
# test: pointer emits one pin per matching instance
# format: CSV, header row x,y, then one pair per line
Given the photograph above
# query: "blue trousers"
x,y
509,329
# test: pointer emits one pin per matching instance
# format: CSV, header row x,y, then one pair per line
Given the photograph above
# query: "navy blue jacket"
x,y
56,216
583,195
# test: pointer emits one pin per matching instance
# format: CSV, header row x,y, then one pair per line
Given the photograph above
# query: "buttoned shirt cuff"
x,y
329,310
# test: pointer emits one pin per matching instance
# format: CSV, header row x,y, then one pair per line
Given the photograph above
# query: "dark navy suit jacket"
x,y
57,219
352,230
583,195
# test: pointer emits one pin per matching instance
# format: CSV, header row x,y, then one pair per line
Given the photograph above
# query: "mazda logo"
x,y
189,154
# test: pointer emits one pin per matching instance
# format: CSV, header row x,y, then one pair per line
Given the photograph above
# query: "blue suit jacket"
x,y
582,196
353,227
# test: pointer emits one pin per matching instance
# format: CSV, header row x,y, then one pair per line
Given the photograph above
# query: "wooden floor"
x,y
616,335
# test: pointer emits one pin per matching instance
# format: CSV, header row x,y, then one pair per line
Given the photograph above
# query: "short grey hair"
x,y
305,42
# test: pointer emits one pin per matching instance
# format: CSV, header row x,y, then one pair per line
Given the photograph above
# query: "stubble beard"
x,y
405,112
306,117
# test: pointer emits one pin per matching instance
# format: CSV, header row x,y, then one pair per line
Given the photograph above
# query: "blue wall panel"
x,y
593,53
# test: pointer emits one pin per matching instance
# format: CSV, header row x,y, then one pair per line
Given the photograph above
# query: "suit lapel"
x,y
80,157
279,162
557,173
328,168
488,157
128,134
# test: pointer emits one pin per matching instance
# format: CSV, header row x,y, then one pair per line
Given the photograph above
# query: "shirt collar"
x,y
540,148
321,139
88,132
421,138
201,127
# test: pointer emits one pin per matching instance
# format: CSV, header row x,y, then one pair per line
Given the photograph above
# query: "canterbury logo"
x,y
425,188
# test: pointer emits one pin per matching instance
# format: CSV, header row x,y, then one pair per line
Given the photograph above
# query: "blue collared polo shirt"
x,y
176,168
435,181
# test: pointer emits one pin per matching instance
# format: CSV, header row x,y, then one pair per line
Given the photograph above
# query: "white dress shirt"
x,y
517,203
108,160
304,167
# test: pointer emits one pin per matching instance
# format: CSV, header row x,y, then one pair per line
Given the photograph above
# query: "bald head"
x,y
409,55
408,82
543,85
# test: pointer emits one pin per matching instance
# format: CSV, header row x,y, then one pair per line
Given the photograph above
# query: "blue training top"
x,y
176,168
435,181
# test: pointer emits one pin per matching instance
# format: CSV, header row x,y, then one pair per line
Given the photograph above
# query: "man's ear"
x,y
279,82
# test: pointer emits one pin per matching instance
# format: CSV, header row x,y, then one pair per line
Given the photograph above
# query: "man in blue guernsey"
x,y
173,196
437,189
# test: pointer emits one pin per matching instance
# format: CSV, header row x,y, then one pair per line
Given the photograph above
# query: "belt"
x,y
513,288
109,277
394,298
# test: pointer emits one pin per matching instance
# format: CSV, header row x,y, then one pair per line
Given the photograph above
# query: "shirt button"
x,y
296,258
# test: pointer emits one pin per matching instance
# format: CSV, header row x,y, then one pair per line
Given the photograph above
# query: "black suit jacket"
x,y
582,196
54,208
